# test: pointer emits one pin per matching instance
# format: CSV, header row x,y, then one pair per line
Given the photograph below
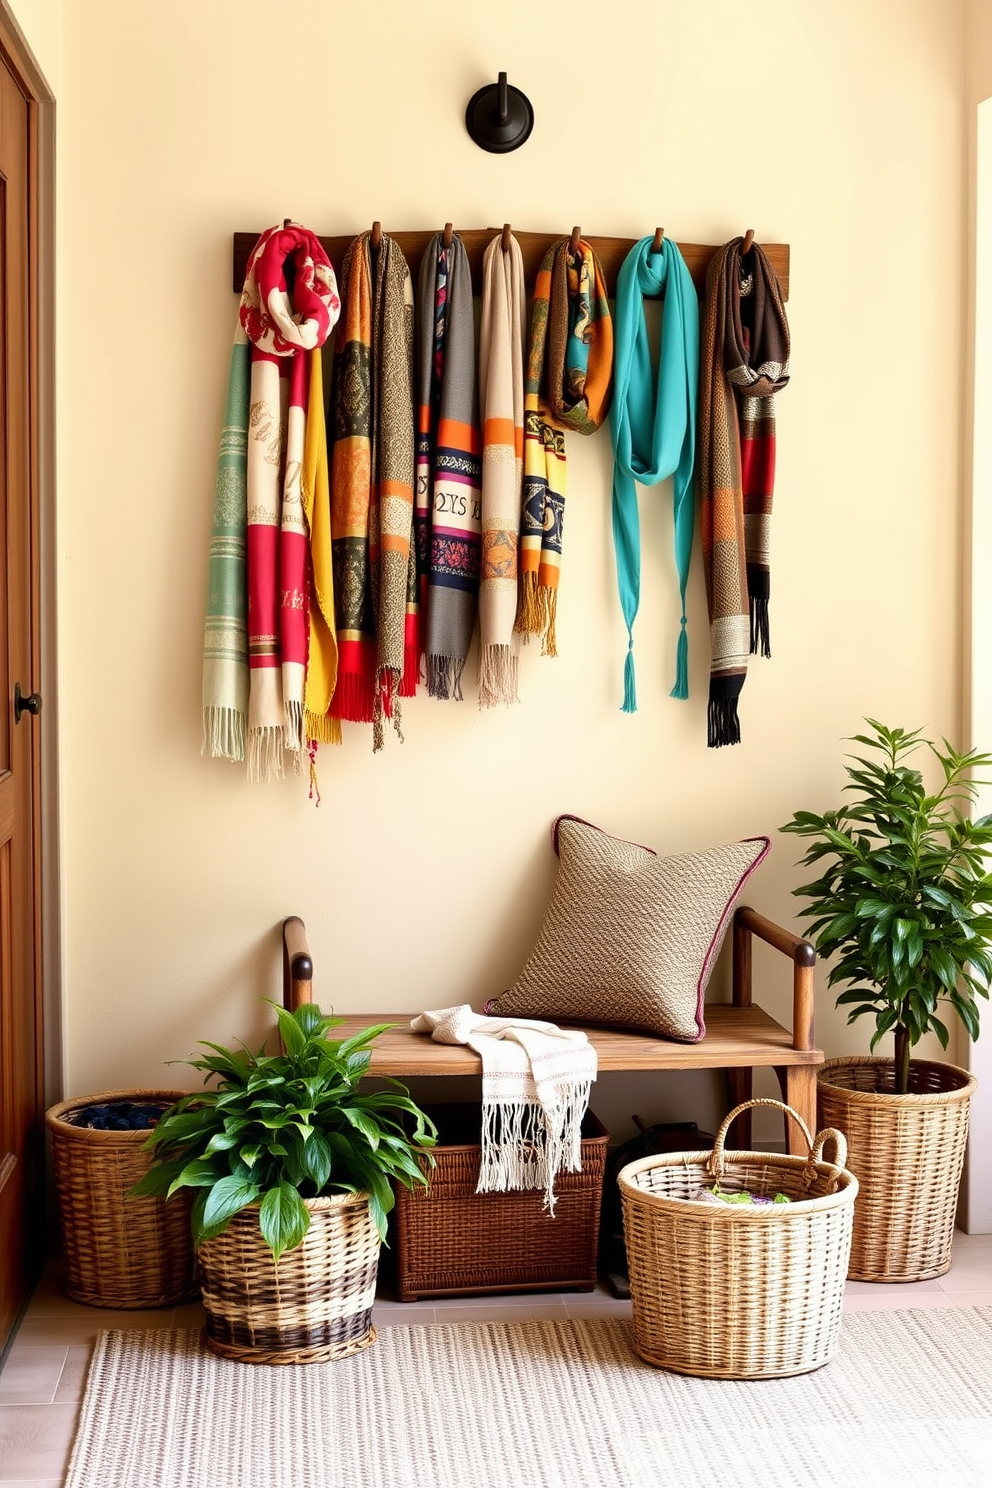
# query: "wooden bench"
x,y
740,1036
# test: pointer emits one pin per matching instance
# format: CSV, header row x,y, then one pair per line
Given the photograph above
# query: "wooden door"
x,y
21,1088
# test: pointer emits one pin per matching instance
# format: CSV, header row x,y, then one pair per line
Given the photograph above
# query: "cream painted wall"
x,y
424,872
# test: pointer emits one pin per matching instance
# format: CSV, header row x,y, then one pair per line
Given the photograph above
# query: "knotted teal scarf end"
x,y
653,424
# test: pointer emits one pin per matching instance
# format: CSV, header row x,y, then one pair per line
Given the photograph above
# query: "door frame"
x,y
42,344
975,1210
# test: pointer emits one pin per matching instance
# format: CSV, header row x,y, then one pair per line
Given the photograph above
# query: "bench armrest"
x,y
297,967
802,954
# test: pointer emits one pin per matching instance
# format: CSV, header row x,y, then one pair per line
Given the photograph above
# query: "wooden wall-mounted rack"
x,y
533,246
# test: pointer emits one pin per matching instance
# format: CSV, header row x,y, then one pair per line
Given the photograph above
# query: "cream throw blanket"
x,y
536,1080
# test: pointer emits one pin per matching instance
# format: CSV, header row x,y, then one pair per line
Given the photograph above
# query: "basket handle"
x,y
830,1134
716,1158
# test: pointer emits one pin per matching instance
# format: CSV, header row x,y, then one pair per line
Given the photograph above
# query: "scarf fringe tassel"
x,y
223,733
498,675
525,1146
411,669
354,698
321,728
293,731
629,686
723,724
759,626
530,614
537,612
265,761
387,705
444,677
681,688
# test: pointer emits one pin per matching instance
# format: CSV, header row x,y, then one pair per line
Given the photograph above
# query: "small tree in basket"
x,y
905,894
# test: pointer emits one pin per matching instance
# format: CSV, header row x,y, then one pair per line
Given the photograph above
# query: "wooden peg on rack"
x,y
447,235
505,239
376,236
573,242
286,221
748,240
659,238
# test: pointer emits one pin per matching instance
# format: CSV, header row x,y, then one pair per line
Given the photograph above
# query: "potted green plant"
x,y
904,902
293,1169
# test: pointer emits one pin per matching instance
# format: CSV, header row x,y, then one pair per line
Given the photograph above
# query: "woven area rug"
x,y
906,1401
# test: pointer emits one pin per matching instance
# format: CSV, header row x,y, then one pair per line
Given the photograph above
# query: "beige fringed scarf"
x,y
536,1080
501,412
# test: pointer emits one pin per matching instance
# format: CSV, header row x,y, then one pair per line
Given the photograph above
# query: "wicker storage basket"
x,y
738,1291
316,1304
907,1152
451,1241
119,1252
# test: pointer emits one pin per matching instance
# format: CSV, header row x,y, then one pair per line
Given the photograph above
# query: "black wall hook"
x,y
499,118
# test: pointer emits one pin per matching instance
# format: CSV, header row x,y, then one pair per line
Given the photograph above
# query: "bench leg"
x,y
740,1083
798,1083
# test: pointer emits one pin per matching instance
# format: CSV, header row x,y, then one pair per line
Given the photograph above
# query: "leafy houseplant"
x,y
277,1129
904,896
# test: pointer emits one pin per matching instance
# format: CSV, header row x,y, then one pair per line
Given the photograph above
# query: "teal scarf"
x,y
653,421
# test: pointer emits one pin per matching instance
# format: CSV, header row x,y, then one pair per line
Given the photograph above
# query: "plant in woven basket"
x,y
277,1129
904,896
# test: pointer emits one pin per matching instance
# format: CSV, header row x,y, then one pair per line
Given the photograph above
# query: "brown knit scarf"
x,y
744,361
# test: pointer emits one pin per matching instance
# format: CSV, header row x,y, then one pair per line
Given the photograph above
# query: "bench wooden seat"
x,y
740,1035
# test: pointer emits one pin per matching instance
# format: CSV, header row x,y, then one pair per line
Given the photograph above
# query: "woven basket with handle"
x,y
907,1152
119,1251
314,1305
739,1291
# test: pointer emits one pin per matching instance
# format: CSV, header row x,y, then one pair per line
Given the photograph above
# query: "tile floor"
x,y
42,1381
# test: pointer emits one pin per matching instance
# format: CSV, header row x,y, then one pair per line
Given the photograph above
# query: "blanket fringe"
x,y
723,724
444,677
498,675
525,1146
265,761
223,733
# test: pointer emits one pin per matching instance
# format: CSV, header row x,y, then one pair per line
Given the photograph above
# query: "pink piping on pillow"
x,y
567,816
718,933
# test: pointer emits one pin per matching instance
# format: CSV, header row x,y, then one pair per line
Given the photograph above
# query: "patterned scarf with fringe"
x,y
288,307
501,410
448,506
568,385
372,482
536,1081
225,636
744,362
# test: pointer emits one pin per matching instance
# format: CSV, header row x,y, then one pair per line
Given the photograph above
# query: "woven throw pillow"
x,y
629,938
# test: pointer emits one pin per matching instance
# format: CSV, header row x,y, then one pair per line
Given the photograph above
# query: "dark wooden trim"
x,y
533,246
